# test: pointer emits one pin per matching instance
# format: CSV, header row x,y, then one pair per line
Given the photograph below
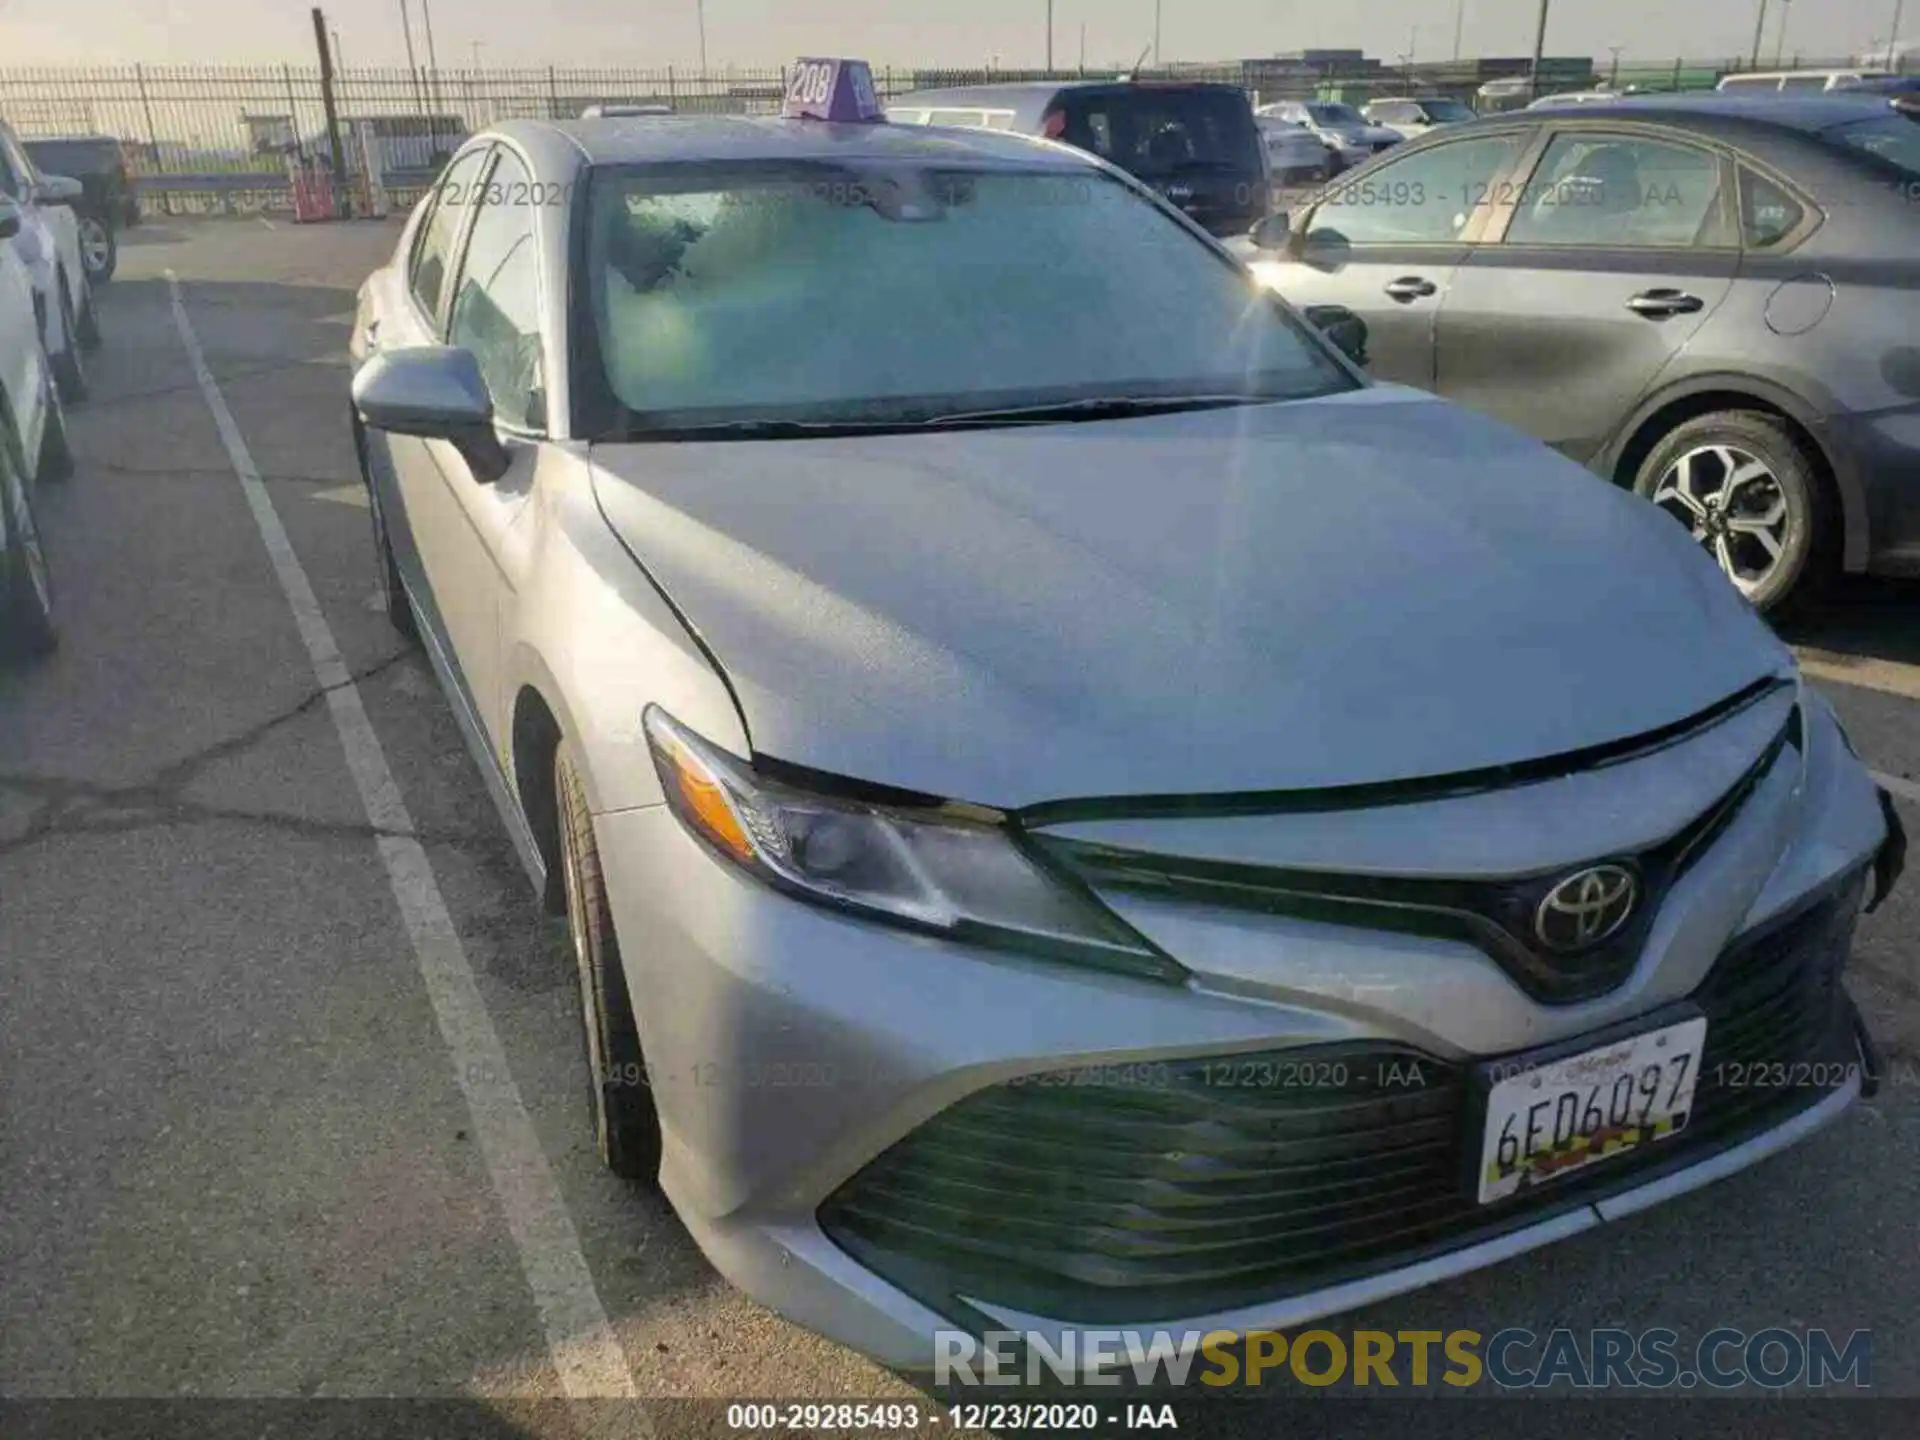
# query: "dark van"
x,y
1195,143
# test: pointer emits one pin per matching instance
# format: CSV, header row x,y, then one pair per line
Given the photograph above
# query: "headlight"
x,y
934,871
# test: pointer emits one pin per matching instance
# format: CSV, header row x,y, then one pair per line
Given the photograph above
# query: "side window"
x,y
496,303
452,195
1619,190
1768,214
1421,199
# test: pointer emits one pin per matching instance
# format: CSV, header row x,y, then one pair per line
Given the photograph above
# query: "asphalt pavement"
x,y
237,1153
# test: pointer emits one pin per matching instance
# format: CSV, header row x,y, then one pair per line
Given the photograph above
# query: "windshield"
x,y
1893,138
1447,111
1155,133
825,295
1330,114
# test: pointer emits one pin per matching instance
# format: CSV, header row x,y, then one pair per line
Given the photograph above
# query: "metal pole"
x,y
1049,37
1083,47
1156,34
1893,37
1780,36
1759,33
1539,52
326,101
700,19
1459,24
413,64
1613,76
433,61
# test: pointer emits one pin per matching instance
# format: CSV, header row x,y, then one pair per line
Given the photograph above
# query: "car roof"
x,y
1012,92
1809,114
679,139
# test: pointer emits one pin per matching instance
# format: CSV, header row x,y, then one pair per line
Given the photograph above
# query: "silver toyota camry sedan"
x,y
1073,806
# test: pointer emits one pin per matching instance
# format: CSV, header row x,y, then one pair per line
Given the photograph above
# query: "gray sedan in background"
x,y
1074,806
1712,300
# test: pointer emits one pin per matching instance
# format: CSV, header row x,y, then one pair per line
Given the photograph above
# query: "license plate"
x,y
1548,1119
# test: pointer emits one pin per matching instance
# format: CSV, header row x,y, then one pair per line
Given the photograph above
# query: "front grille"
x,y
1140,1192
1495,916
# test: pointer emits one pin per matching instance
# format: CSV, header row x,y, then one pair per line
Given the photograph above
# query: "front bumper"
x,y
1880,457
799,1057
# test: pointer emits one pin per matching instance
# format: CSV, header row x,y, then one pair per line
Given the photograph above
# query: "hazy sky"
x,y
956,32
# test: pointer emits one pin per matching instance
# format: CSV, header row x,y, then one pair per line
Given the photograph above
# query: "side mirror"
x,y
60,190
434,392
1344,328
9,218
1271,232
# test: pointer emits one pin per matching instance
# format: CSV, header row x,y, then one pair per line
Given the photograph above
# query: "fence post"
x,y
553,95
333,115
153,135
670,99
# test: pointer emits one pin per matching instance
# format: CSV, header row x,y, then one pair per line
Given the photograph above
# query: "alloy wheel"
x,y
96,245
1734,505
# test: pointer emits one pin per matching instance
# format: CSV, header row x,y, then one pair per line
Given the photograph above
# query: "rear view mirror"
x,y
1271,232
1344,328
9,218
434,392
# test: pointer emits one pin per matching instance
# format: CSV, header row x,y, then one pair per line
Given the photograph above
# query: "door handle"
x,y
1410,287
1661,304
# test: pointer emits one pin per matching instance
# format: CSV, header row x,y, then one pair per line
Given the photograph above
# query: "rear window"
x,y
1154,132
73,158
1335,115
1448,111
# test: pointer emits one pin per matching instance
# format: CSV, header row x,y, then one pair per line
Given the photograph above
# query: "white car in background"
x,y
1414,115
48,244
1295,154
1343,129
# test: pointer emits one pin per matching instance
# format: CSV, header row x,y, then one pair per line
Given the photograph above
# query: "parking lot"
x,y
245,1152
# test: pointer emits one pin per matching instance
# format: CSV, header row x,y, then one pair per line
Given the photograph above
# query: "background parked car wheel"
x,y
1747,488
26,592
69,369
626,1125
99,249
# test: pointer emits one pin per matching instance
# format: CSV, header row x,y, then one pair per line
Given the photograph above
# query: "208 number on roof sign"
x,y
840,90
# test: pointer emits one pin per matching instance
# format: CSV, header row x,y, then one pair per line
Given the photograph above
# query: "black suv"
x,y
1194,142
108,204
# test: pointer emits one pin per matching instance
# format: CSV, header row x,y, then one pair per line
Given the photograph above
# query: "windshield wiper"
x,y
1117,407
765,430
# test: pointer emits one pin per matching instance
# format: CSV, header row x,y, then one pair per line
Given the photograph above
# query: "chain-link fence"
x,y
222,137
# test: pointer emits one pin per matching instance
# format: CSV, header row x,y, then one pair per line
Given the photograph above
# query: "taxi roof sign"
x,y
837,90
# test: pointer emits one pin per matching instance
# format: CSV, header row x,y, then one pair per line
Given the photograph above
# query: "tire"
x,y
393,590
69,370
88,330
55,461
99,248
26,591
1777,539
626,1126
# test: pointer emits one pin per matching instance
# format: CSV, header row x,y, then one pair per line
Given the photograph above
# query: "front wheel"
x,y
625,1124
69,369
1750,493
26,590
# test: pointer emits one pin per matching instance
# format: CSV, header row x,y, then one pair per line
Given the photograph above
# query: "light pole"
x,y
1893,36
1759,31
1613,75
1049,36
700,19
1780,35
413,65
1459,24
433,61
1539,51
1156,34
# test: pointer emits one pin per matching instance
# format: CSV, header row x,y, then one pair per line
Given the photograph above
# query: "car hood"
x,y
1369,587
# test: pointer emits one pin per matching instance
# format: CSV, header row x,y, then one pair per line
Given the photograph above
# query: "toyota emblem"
x,y
1586,909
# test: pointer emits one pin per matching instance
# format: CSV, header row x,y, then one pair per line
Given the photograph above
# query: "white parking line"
x,y
1889,677
580,1340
